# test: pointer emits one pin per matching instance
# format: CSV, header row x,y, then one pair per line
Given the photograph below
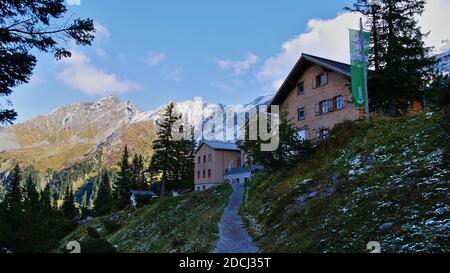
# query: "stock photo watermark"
x,y
231,123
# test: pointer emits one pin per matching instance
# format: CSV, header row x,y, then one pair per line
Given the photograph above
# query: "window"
x,y
238,160
198,160
339,103
301,88
303,134
301,113
198,174
322,134
209,158
320,80
204,174
323,105
209,173
204,187
204,159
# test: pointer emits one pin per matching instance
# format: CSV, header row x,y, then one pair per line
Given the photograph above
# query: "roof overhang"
x,y
216,148
291,80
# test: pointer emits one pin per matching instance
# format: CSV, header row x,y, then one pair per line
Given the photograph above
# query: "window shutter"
x,y
317,109
326,78
314,83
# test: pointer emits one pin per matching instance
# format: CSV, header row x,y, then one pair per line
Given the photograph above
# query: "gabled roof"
x,y
217,145
298,69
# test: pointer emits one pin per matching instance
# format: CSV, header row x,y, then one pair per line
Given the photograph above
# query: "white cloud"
x,y
329,39
82,75
436,19
238,67
154,58
175,73
326,38
101,31
101,34
277,83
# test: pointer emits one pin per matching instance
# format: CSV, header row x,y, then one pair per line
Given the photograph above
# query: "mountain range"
x,y
82,131
443,62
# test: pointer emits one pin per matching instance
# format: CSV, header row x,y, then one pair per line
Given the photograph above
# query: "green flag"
x,y
359,65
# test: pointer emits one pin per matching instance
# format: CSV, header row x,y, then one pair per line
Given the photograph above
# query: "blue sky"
x,y
152,52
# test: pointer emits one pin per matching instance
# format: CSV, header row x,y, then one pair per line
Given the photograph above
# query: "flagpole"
x,y
361,35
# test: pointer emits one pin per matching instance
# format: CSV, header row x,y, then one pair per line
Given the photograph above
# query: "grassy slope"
x,y
186,223
400,199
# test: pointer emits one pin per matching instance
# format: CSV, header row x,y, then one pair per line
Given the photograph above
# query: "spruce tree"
x,y
14,198
403,66
68,207
32,196
165,148
46,200
152,172
123,184
141,177
103,194
137,171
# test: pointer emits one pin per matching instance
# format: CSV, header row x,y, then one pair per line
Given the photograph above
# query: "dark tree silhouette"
x,y
103,194
123,184
33,25
165,148
68,207
402,63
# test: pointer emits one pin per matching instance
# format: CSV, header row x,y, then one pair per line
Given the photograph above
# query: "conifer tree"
x,y
14,198
141,177
68,207
46,200
137,173
152,172
164,148
123,184
103,193
32,196
403,66
30,26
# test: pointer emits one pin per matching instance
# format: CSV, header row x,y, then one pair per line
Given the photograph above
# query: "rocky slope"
x,y
75,133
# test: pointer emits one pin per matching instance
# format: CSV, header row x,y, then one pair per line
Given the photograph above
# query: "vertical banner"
x,y
359,65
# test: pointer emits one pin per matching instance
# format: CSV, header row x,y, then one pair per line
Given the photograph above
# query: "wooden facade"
x,y
316,96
